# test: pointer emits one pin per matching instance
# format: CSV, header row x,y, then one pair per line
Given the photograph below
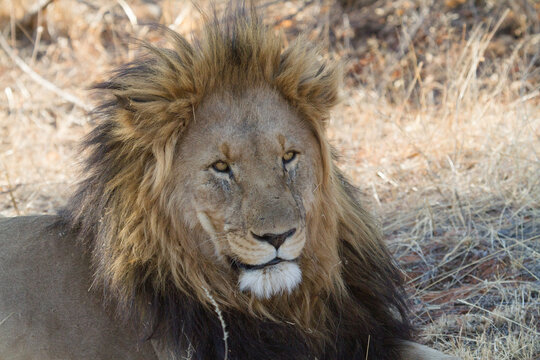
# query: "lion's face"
x,y
251,170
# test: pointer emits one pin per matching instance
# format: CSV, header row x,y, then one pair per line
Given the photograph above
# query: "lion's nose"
x,y
276,240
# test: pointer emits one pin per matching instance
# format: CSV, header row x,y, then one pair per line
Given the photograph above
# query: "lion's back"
x,y
47,310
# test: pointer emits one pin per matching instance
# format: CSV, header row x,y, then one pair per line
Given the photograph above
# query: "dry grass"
x,y
439,127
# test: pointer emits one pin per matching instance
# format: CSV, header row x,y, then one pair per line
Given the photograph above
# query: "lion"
x,y
212,222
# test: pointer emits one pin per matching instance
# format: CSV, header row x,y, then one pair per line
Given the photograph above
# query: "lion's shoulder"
x,y
46,301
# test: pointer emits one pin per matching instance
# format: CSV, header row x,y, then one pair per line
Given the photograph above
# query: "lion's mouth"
x,y
240,265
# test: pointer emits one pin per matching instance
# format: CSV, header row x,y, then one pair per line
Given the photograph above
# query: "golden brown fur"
x,y
149,262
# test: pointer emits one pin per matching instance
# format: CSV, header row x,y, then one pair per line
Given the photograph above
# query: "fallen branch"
x,y
40,80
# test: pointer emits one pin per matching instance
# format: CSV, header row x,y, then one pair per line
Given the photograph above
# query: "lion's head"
x,y
250,182
210,182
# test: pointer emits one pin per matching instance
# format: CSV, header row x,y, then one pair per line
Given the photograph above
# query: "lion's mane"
x,y
147,263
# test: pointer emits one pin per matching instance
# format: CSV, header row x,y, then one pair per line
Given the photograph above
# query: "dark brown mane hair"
x,y
148,265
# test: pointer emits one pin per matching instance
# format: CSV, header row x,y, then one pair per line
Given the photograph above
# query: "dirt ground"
x,y
439,127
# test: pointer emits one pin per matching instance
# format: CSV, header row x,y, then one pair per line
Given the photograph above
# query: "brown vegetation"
x,y
439,127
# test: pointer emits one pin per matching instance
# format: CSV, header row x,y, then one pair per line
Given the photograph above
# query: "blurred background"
x,y
439,127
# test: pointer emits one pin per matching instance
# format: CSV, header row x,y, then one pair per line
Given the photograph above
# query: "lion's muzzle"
x,y
278,273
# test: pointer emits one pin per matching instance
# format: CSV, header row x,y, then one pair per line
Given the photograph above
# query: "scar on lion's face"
x,y
256,162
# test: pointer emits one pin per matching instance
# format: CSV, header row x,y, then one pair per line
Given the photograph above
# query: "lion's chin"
x,y
271,280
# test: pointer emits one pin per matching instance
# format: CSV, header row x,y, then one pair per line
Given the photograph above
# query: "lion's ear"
x,y
308,81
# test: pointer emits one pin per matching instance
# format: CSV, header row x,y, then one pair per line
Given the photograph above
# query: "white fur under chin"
x,y
272,280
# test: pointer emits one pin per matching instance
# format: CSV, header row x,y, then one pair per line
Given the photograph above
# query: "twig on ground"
x,y
5,319
40,80
129,13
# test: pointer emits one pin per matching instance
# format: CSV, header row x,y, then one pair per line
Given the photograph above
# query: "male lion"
x,y
213,222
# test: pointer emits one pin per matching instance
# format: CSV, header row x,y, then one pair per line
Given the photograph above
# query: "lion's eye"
x,y
289,156
221,166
